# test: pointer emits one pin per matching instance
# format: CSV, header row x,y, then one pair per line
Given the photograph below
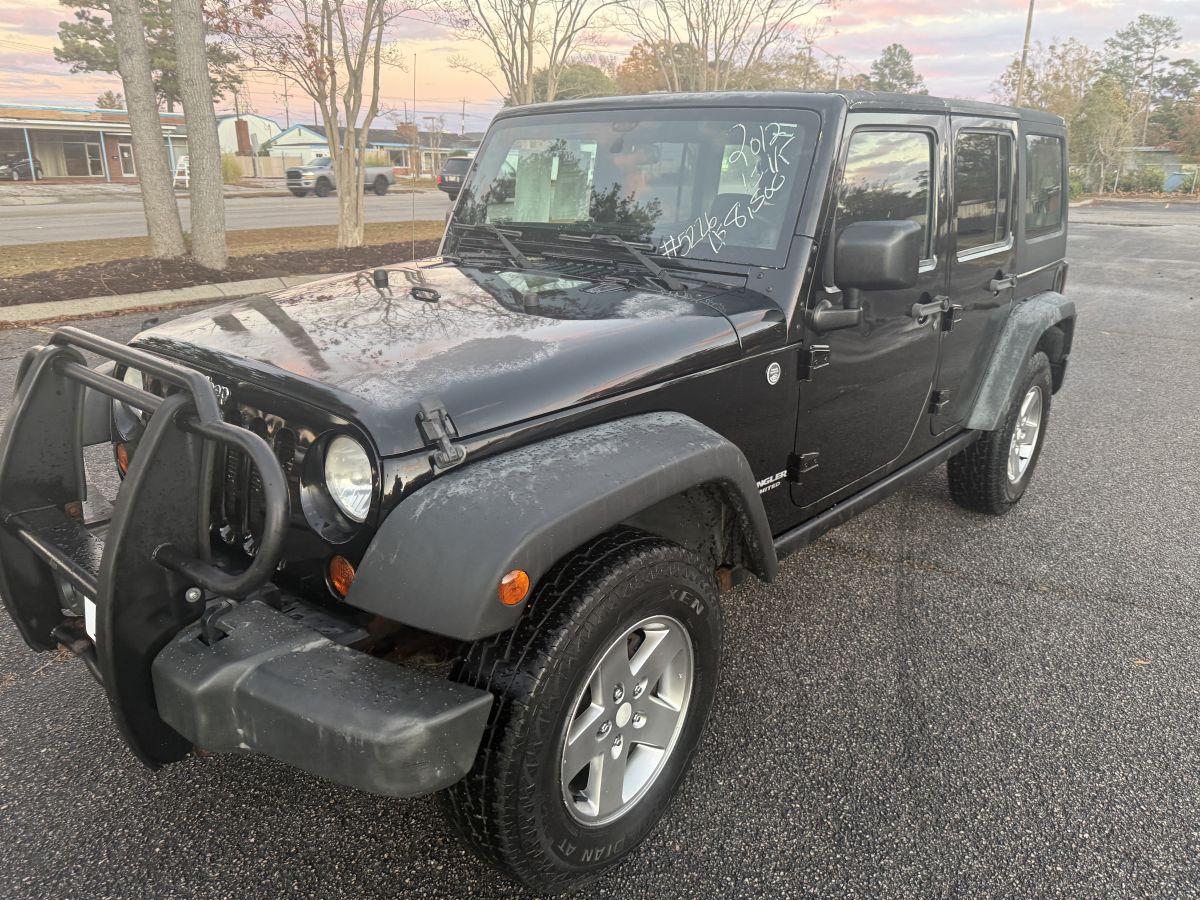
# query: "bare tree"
x,y
335,50
204,148
158,191
524,37
706,45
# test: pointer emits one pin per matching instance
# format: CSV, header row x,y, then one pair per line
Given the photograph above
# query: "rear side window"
x,y
982,188
1043,184
888,178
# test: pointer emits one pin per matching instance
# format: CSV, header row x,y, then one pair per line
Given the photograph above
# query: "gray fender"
x,y
437,560
1026,325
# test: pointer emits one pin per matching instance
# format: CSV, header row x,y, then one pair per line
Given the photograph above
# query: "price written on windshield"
x,y
759,157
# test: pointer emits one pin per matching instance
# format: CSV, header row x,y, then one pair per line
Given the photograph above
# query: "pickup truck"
x,y
318,176
467,524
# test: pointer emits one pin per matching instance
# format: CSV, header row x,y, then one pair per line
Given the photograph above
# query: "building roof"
x,y
20,115
388,137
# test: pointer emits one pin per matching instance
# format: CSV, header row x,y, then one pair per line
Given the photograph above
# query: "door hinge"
x,y
811,359
952,316
437,429
798,465
938,401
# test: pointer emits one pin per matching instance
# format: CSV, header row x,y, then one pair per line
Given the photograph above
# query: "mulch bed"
x,y
130,276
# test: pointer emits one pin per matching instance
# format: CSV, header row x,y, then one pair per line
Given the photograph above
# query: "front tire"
x,y
298,192
322,188
602,693
992,474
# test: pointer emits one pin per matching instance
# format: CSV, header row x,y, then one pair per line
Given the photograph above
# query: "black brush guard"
x,y
254,680
157,544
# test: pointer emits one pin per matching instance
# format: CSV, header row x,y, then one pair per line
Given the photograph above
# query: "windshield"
x,y
715,183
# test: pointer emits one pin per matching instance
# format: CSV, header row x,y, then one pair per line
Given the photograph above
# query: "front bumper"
x,y
273,686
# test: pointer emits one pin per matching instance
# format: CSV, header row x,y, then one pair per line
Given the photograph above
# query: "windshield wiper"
x,y
509,247
634,250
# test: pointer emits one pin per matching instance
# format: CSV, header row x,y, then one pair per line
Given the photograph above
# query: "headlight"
x,y
307,176
348,477
127,417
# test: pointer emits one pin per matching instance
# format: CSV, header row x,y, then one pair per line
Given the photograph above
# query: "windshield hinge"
x,y
811,359
437,429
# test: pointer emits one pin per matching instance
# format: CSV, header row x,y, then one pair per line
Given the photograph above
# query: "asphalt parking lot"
x,y
927,702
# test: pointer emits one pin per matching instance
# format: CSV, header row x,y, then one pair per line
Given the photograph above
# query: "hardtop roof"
x,y
819,100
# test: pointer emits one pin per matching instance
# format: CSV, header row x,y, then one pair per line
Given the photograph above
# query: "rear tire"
x,y
622,604
322,188
992,474
381,186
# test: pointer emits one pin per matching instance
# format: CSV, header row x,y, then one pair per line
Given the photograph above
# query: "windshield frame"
x,y
548,121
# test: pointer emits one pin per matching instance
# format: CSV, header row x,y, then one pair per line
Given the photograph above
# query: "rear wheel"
x,y
992,474
322,188
381,186
602,692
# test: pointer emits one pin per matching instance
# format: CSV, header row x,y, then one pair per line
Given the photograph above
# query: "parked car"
x,y
466,524
451,178
17,168
318,176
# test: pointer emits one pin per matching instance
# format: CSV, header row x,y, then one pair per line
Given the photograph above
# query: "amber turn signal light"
x,y
514,587
341,575
123,459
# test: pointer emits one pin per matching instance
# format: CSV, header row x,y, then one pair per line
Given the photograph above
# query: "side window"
x,y
1043,184
888,177
982,184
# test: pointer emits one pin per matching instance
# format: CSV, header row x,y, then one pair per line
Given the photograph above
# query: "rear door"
x,y
982,186
859,413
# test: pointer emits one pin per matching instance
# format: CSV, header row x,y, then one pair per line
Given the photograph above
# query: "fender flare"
x,y
1026,325
438,558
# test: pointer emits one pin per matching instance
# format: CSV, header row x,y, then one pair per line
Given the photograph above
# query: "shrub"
x,y
1075,187
378,158
1143,180
231,168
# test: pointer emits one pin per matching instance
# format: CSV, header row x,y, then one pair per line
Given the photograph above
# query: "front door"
x,y
981,271
127,168
858,413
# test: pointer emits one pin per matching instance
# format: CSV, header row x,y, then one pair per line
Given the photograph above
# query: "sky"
x,y
959,46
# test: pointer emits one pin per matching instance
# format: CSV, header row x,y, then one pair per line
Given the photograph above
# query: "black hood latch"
x,y
437,429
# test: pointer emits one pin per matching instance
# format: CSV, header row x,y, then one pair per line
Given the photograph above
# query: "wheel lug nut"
x,y
616,746
605,728
639,688
618,693
638,720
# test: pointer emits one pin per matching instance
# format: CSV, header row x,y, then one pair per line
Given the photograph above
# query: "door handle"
x,y
937,305
1002,282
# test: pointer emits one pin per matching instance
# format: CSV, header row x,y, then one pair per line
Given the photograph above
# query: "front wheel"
x,y
298,192
380,186
992,474
322,188
602,693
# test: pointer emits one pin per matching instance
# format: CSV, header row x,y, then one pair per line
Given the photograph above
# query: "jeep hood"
x,y
494,347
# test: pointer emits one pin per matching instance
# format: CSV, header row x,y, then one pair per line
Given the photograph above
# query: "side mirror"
x,y
878,256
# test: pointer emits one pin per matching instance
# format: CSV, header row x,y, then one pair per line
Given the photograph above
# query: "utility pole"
x,y
1024,56
416,127
837,73
462,121
287,118
808,66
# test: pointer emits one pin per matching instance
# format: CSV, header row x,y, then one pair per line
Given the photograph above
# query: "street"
x,y
124,217
926,702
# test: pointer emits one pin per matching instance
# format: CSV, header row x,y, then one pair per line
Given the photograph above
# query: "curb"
x,y
27,314
1088,202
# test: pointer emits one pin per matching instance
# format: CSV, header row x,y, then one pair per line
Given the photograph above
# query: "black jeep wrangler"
x,y
464,524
